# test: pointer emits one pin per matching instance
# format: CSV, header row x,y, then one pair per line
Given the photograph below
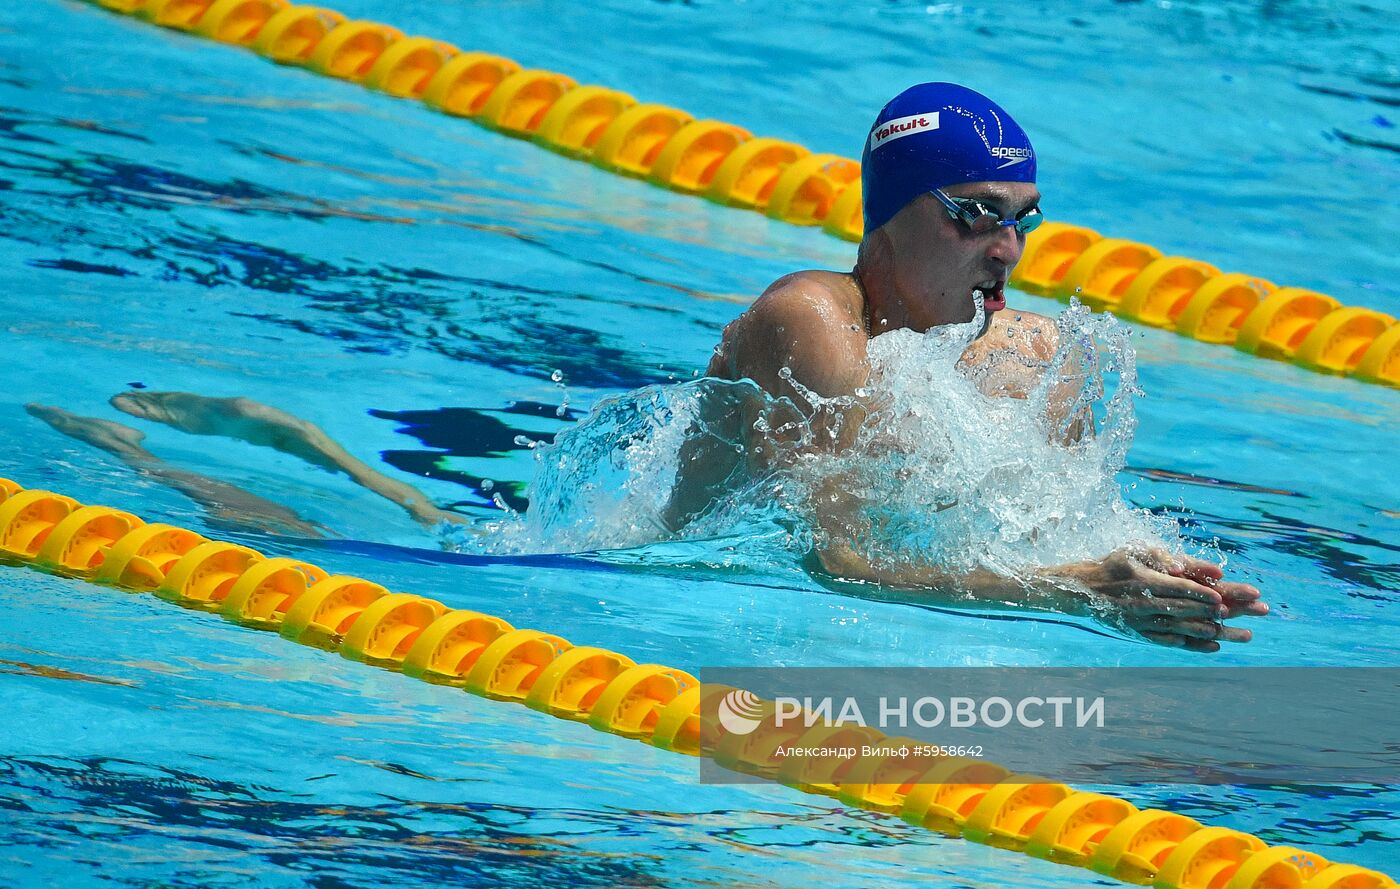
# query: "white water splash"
x,y
940,473
964,480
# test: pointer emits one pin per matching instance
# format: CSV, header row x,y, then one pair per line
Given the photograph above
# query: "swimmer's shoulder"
x,y
832,296
810,322
1026,333
809,305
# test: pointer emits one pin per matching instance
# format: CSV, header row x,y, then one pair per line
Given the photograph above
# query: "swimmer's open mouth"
x,y
993,295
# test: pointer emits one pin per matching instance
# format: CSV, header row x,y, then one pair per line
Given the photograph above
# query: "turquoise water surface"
x,y
177,215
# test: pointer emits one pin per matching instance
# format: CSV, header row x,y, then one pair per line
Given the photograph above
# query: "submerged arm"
x,y
1174,601
798,340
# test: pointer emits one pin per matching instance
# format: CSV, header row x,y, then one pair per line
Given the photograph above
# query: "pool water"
x,y
183,216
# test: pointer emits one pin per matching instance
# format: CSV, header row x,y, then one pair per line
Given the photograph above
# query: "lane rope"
x,y
727,164
658,705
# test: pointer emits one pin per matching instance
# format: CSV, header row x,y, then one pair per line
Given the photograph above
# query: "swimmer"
x,y
948,181
949,188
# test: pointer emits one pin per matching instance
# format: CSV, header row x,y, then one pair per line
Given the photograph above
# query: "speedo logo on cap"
x,y
1012,156
901,127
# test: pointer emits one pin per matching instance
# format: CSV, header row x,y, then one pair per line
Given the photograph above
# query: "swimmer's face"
x,y
938,261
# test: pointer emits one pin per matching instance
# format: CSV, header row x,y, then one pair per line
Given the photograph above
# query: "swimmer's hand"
x,y
1180,602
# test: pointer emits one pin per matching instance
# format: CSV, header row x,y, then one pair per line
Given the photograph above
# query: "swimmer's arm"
x,y
1011,361
1177,602
716,453
793,341
797,338
1069,421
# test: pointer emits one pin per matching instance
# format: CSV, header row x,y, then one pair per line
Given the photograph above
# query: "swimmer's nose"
x,y
1006,247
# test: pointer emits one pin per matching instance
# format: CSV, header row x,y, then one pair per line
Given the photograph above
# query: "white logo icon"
x,y
1015,155
740,712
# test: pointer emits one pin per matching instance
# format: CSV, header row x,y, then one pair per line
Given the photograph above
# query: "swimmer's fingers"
x,y
1242,599
1204,572
1195,628
1159,559
1234,634
1173,640
1149,606
1158,583
1198,570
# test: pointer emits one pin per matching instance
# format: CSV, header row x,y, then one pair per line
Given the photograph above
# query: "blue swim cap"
x,y
938,134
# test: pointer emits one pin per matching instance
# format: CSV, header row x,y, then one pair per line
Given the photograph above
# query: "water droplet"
x,y
557,376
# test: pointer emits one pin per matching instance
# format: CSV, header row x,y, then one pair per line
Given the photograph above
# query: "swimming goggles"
x,y
982,219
